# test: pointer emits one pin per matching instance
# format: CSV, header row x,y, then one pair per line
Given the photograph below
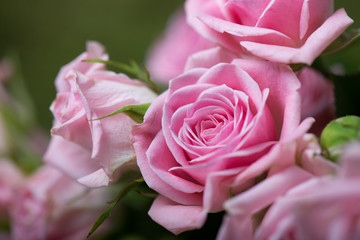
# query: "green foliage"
x,y
135,112
113,203
338,133
343,41
140,73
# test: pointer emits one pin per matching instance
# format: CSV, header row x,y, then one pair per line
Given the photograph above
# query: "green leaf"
x,y
141,73
297,67
344,40
135,112
338,133
113,203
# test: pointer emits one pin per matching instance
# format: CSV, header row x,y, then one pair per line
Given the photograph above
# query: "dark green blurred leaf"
x,y
113,203
140,73
338,133
343,41
135,112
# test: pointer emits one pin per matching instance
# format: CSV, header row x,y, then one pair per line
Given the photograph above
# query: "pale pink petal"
x,y
209,57
94,51
312,48
235,228
102,97
167,57
195,10
245,33
176,218
265,192
350,161
72,159
95,179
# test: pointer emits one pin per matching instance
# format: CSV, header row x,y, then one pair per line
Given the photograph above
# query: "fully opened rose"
x,y
213,132
277,30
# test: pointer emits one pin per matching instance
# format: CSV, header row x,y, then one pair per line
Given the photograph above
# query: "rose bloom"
x,y
245,210
86,149
317,92
50,205
321,208
214,131
167,57
279,30
318,101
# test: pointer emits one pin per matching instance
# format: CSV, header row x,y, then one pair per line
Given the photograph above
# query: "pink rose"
x,y
279,30
168,56
94,50
214,130
51,206
95,149
318,99
244,211
322,208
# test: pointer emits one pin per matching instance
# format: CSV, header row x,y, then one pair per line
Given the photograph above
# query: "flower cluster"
x,y
237,130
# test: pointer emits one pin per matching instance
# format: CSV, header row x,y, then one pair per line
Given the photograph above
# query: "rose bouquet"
x,y
228,131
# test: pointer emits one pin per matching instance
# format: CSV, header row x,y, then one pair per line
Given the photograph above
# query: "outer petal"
x,y
350,160
318,99
176,218
240,32
101,97
264,193
312,48
200,8
94,50
72,159
209,57
95,179
167,58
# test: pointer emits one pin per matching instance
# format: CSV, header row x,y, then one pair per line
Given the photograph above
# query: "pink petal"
x,y
209,57
177,218
312,48
95,179
72,159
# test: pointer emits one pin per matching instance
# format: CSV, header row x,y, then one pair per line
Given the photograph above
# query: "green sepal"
x,y
113,203
343,41
140,72
338,133
135,112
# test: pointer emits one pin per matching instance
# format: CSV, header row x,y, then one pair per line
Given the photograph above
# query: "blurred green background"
x,y
48,34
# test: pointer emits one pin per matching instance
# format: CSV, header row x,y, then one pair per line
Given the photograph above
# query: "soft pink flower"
x,y
95,148
244,210
94,50
318,101
214,130
277,30
52,206
168,56
321,208
11,178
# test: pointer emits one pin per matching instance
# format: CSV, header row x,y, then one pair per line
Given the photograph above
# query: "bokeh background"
x,y
43,35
